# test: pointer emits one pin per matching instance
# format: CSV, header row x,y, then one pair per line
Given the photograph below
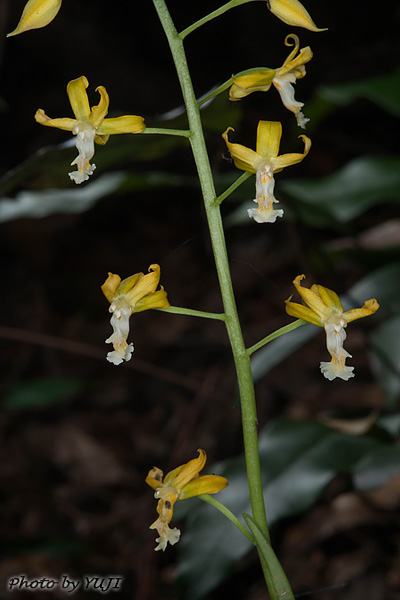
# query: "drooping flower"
x,y
89,125
292,12
181,483
36,14
282,78
264,162
323,308
134,294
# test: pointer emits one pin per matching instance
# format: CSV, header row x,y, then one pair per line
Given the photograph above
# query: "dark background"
x,y
73,497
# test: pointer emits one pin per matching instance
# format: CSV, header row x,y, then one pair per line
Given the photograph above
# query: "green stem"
x,y
274,335
213,15
221,88
233,187
181,132
177,310
228,514
241,358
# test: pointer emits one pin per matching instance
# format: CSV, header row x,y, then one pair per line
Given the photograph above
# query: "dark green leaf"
x,y
363,183
39,393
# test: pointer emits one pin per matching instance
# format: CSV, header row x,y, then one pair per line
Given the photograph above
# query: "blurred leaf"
x,y
382,284
363,183
391,424
379,465
385,354
39,393
298,459
37,204
384,90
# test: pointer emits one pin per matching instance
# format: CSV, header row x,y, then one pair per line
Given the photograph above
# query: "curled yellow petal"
x,y
244,158
98,113
36,14
369,308
292,12
285,160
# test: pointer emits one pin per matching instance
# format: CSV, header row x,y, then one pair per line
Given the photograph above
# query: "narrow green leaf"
x,y
277,582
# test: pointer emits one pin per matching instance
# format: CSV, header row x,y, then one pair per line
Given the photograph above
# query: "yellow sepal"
x,y
110,285
78,98
243,85
244,158
292,12
206,484
36,14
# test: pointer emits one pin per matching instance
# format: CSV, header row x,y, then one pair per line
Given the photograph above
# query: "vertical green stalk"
x,y
241,358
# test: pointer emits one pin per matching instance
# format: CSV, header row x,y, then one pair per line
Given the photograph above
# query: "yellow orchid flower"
x,y
292,12
264,162
89,125
181,483
282,78
134,294
36,14
323,308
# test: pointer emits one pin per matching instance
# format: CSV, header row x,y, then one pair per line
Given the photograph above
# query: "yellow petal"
x,y
302,312
293,13
207,484
156,300
328,297
64,123
124,124
76,90
36,14
243,85
181,476
291,63
144,286
312,300
285,160
369,308
244,158
127,284
154,478
110,285
98,113
269,135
